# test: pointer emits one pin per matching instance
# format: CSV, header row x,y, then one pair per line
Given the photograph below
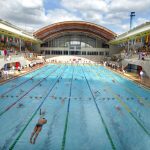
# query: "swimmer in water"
x,y
37,129
20,105
63,100
53,97
97,92
21,91
118,108
13,85
113,81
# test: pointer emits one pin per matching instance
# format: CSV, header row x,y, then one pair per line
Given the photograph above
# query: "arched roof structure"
x,y
57,29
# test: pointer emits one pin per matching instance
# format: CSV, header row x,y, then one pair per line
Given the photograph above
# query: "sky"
x,y
112,14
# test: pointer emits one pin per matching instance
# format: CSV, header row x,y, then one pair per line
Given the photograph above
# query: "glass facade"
x,y
75,42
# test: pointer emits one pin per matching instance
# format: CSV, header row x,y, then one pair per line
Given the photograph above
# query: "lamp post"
x,y
131,23
131,19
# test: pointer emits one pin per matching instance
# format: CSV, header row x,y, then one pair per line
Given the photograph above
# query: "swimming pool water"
x,y
87,108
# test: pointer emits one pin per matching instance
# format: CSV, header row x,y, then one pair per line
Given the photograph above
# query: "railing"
x,y
140,56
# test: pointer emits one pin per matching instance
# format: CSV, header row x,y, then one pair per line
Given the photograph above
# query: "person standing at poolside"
x,y
5,54
141,75
6,71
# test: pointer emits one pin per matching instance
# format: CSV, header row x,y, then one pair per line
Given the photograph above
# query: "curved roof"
x,y
74,26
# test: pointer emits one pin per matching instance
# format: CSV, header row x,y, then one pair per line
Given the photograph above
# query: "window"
x,y
92,53
75,53
56,52
101,53
75,42
95,53
107,53
44,44
46,53
42,52
83,53
88,53
65,52
104,45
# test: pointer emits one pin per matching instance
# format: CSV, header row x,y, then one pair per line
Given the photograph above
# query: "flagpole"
x,y
20,45
131,19
128,46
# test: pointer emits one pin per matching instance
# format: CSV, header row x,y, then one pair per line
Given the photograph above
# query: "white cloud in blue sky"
x,y
112,14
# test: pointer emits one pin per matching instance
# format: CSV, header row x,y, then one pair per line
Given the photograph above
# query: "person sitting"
x,y
37,129
19,68
31,66
142,56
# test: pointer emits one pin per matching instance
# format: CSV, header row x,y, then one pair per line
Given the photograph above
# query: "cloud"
x,y
24,11
59,15
30,14
31,3
140,21
113,14
85,5
129,5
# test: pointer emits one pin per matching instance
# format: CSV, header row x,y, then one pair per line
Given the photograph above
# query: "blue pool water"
x,y
87,108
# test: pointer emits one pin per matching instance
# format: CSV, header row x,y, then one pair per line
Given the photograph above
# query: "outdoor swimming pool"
x,y
87,108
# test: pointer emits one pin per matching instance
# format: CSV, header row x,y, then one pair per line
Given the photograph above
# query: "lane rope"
x,y
103,122
125,106
22,131
67,116
13,104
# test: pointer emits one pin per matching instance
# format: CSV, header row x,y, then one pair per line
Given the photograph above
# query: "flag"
x,y
135,42
147,38
2,38
138,40
6,39
16,40
143,40
10,40
13,39
132,42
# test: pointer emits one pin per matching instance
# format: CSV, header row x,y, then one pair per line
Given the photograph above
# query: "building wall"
x,y
78,44
94,54
17,58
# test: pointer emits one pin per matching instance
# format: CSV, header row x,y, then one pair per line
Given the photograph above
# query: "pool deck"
x,y
21,73
134,77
